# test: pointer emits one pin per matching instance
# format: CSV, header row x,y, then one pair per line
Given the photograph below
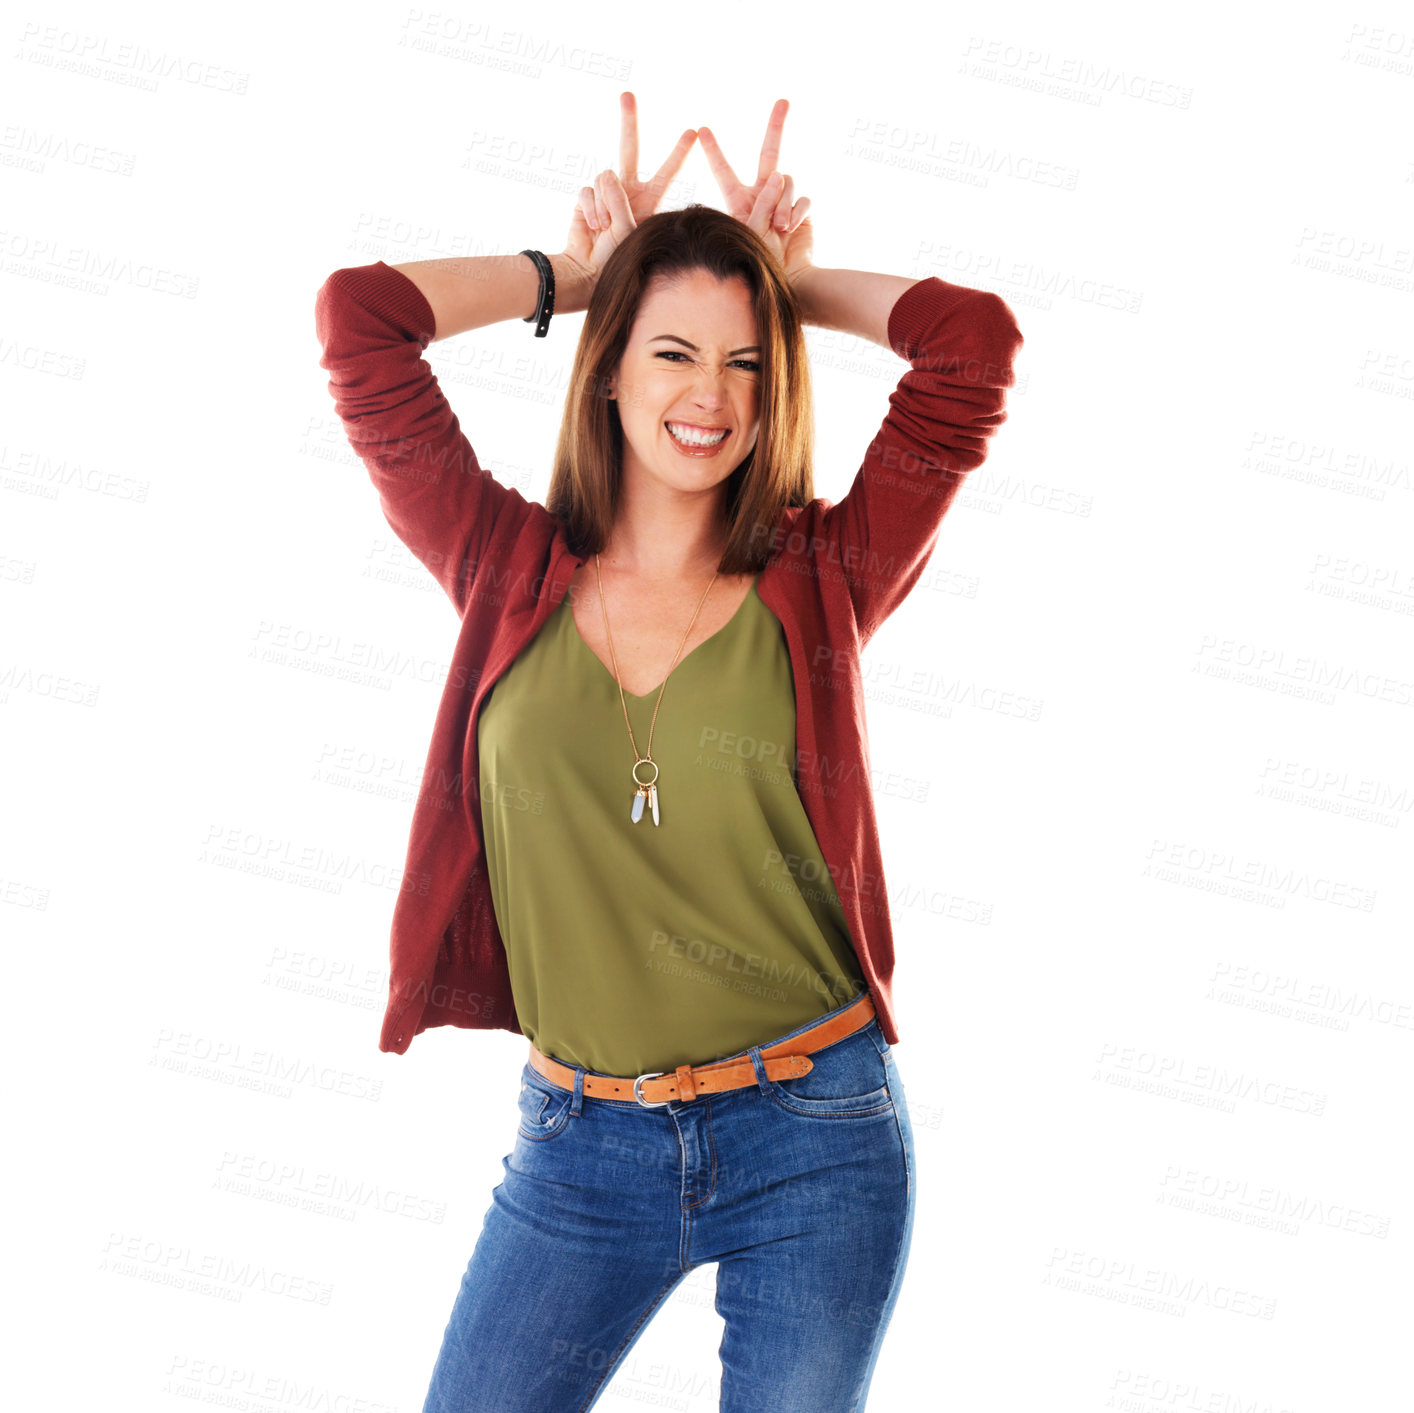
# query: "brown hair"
x,y
585,479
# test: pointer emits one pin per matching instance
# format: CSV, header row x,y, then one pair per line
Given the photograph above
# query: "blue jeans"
x,y
801,1190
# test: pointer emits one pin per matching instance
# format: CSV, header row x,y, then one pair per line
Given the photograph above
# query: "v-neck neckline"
x,y
653,691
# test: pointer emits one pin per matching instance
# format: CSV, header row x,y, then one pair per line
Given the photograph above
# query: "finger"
x,y
599,220
799,212
628,137
716,160
586,206
615,200
581,238
771,147
780,217
759,218
664,175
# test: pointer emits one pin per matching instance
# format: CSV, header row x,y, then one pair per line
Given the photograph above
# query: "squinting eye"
x,y
748,363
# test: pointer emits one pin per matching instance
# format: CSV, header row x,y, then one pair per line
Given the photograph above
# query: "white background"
x,y
1146,826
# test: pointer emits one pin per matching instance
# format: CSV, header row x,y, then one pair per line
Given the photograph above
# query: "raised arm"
x,y
469,293
962,344
374,323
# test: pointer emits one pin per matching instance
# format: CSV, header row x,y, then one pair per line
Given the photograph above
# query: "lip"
x,y
685,450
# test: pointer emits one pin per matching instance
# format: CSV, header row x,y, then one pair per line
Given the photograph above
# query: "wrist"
x,y
572,286
803,286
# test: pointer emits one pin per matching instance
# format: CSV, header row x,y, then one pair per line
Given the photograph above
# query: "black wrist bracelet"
x,y
545,305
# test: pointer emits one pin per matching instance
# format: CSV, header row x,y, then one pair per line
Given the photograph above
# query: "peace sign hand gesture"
x,y
768,206
607,211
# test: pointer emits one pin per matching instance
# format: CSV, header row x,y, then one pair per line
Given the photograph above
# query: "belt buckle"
x,y
649,1103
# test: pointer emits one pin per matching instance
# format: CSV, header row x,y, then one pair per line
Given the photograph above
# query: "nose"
x,y
709,391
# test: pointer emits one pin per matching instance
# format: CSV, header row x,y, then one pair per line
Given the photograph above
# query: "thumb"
x,y
614,197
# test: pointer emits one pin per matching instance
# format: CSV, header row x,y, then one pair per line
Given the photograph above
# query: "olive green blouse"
x,y
634,946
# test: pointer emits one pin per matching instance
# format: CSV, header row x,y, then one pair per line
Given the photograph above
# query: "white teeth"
x,y
692,437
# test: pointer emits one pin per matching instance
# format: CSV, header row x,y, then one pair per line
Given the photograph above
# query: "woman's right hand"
x,y
607,211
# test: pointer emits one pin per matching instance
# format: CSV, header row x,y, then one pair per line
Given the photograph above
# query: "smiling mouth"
x,y
689,435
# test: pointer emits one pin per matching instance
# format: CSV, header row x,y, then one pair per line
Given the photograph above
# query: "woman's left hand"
x,y
768,206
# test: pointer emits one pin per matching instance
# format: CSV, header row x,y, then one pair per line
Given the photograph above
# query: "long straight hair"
x,y
588,466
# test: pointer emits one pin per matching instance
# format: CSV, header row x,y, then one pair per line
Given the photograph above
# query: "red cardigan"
x,y
839,570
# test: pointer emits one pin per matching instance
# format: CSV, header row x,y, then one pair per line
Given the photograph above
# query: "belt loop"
x,y
687,1084
578,1100
759,1065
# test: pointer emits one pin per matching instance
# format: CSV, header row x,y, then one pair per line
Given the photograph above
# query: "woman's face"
x,y
688,384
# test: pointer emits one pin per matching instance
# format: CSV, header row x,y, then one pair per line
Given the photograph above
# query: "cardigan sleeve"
x,y
373,324
961,344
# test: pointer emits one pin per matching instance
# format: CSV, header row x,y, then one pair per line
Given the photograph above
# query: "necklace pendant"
x,y
638,802
653,800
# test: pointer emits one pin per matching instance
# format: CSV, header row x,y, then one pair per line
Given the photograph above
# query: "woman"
x,y
668,876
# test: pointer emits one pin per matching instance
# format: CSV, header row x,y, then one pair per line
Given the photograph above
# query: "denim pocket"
x,y
544,1108
847,1080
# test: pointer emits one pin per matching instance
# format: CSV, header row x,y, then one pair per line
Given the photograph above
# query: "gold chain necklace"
x,y
644,790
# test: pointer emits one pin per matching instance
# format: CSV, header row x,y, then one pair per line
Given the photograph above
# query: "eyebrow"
x,y
754,348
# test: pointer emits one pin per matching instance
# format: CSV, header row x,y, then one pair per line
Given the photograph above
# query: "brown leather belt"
x,y
788,1059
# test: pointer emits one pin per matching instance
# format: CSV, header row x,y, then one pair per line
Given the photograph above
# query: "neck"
x,y
661,534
